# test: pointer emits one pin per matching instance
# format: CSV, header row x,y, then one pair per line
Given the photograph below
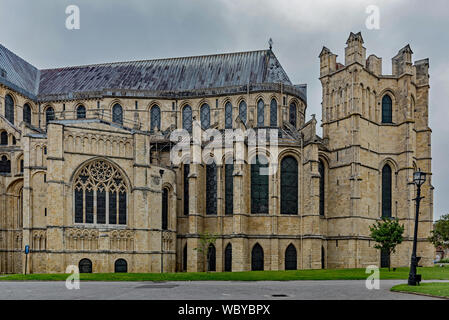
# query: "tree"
x,y
440,233
206,240
388,234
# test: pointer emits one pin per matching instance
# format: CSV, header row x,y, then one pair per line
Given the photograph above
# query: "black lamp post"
x,y
419,178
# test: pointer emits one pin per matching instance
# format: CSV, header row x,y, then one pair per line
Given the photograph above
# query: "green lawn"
x,y
438,289
428,273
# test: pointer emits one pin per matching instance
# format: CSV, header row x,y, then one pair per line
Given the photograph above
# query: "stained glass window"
x,y
81,112
242,111
260,113
229,189
290,258
228,115
211,189
386,191
292,114
49,114
289,185
9,108
257,258
259,186
273,113
155,118
27,113
387,107
117,114
187,118
205,116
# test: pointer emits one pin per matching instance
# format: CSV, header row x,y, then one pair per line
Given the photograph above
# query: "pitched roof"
x,y
160,77
18,74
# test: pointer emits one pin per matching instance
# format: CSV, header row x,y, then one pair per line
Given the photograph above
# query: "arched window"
x,y
228,115
9,108
387,109
229,188
259,185
117,113
184,258
386,191
211,258
205,116
27,113
81,112
322,187
289,185
5,165
273,113
260,113
242,111
186,188
290,258
49,115
155,118
164,209
257,258
228,258
85,266
211,188
4,138
187,118
292,114
100,191
120,266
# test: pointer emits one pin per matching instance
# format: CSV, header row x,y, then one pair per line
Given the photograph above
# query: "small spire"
x,y
270,43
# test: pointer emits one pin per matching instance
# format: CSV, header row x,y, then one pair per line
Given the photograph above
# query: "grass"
x,y
434,273
437,289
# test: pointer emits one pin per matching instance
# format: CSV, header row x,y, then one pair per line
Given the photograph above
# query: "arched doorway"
x,y
228,258
85,266
212,258
257,258
121,266
290,258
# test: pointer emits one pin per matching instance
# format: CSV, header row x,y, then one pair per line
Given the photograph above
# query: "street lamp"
x,y
419,178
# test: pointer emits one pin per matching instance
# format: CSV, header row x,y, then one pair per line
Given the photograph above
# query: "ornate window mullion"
x,y
95,206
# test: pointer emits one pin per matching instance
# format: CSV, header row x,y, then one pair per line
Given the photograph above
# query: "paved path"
x,y
204,290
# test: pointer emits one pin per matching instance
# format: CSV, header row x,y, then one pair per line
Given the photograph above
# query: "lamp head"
x,y
419,177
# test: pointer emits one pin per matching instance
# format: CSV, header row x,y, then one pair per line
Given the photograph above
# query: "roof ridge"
x,y
157,59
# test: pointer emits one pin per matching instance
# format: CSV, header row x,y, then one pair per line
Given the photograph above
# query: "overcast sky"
x,y
116,30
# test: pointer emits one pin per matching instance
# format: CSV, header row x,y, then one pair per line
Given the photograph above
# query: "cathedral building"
x,y
87,177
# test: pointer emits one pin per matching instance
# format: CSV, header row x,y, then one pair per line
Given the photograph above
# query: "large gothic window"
x,y
386,191
117,114
273,113
49,115
228,115
322,187
205,116
9,108
187,118
229,188
228,258
257,258
259,185
5,165
289,185
155,118
212,258
242,111
292,114
186,188
4,138
81,112
387,109
260,113
290,258
100,194
27,113
165,209
211,189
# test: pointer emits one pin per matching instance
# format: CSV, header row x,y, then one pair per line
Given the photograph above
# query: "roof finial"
x,y
270,43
